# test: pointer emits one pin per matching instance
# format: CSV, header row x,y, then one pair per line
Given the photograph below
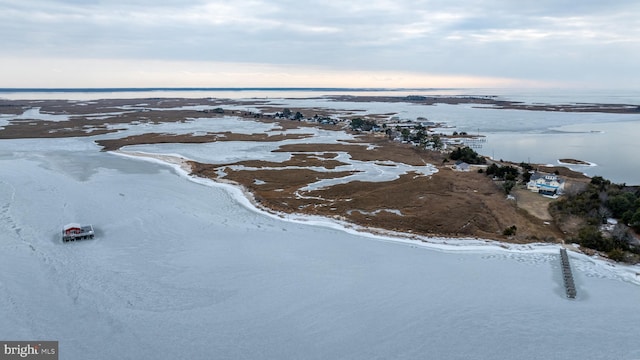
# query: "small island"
x,y
574,162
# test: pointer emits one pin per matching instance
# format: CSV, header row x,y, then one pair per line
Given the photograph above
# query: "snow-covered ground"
x,y
186,269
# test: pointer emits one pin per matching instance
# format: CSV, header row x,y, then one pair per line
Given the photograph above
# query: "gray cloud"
x,y
535,39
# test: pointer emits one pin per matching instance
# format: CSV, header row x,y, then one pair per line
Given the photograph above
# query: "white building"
x,y
546,184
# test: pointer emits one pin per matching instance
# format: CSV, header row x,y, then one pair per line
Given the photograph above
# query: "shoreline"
x,y
623,272
442,204
86,118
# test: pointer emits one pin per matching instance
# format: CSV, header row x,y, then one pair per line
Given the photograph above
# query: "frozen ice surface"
x,y
191,126
35,114
31,114
186,269
233,151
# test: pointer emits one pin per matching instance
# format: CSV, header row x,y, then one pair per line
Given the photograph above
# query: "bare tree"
x,y
604,212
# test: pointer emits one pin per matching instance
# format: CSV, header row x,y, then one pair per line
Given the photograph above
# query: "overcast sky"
x,y
328,43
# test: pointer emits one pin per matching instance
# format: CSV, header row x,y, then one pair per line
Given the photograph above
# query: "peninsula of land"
x,y
447,200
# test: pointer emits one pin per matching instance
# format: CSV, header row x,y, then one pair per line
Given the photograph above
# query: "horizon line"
x,y
140,89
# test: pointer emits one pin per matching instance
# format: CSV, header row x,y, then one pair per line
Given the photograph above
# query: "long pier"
x,y
567,275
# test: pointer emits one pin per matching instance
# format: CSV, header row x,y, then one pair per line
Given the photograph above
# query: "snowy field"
x,y
184,269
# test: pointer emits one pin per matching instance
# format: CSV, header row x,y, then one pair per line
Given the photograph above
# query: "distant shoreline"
x,y
142,89
65,118
412,95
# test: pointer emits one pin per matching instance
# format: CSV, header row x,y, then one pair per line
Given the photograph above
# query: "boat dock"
x,y
567,275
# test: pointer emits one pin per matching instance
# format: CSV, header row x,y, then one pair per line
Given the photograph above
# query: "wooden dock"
x,y
567,275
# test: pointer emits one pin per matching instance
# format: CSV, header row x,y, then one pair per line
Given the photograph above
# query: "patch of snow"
x,y
376,212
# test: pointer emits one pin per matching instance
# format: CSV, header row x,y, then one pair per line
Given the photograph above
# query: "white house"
x,y
546,184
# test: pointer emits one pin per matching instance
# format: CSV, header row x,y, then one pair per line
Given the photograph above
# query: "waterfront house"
x,y
546,184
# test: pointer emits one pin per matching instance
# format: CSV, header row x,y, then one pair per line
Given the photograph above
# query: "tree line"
x,y
600,201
